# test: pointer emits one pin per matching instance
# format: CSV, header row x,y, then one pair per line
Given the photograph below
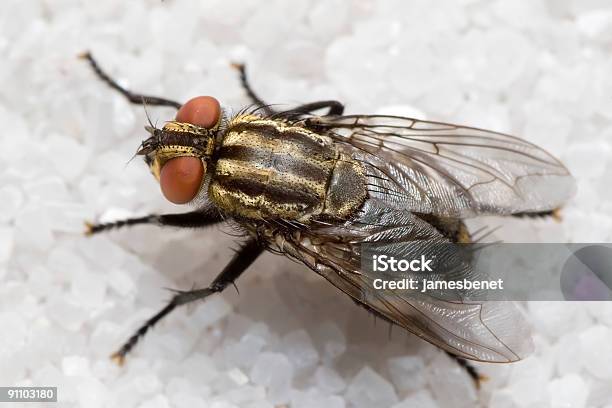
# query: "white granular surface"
x,y
539,68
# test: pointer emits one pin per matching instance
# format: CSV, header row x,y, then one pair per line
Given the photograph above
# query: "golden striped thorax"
x,y
272,169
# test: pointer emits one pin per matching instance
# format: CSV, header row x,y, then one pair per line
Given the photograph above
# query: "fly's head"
x,y
179,152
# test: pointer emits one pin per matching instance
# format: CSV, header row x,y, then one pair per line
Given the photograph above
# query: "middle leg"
x,y
335,107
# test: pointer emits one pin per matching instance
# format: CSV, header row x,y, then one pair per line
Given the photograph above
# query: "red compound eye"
x,y
201,111
180,179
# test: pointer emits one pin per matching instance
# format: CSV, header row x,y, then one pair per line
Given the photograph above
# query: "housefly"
x,y
317,187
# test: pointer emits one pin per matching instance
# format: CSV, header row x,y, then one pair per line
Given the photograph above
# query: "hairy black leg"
x,y
469,368
194,219
134,98
249,90
335,108
242,259
555,214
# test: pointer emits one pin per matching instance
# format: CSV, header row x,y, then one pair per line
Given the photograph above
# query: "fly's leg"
x,y
335,107
554,214
469,368
194,219
249,90
134,98
242,259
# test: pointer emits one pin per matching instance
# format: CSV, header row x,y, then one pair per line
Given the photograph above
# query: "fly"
x,y
316,187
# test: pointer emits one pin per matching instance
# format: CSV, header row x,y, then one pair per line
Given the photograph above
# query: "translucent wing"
x,y
449,170
483,331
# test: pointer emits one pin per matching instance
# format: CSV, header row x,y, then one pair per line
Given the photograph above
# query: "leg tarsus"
x,y
134,98
239,263
554,214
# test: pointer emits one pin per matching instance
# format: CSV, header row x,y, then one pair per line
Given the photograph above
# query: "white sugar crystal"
x,y
158,401
402,110
328,380
47,374
588,160
407,373
528,382
298,346
14,337
66,313
600,392
556,318
273,371
102,252
33,229
223,404
88,289
91,393
244,352
76,366
68,217
121,282
237,325
147,383
330,340
548,129
180,385
6,243
105,369
601,311
596,24
211,311
569,354
370,389
245,394
11,200
325,24
68,156
187,401
597,351
198,368
568,391
502,398
421,399
314,398
450,384
238,376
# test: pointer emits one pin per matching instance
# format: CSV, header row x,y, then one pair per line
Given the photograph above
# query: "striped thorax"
x,y
272,169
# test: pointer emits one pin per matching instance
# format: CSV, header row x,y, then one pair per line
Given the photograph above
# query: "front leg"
x,y
194,219
242,259
135,98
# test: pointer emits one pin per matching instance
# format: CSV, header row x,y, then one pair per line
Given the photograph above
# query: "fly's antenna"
x,y
151,128
129,161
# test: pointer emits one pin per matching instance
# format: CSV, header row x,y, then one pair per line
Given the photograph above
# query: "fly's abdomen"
x,y
268,169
